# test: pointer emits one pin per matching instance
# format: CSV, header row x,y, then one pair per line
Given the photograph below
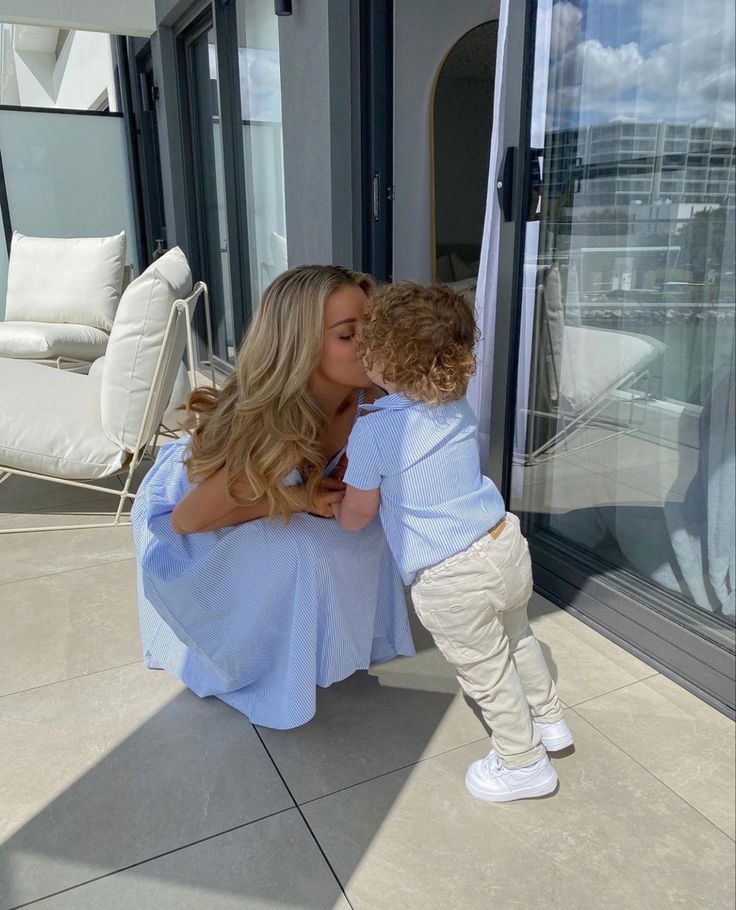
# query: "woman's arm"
x,y
208,507
358,508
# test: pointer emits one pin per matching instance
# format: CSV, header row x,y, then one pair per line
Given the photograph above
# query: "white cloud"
x,y
565,27
688,73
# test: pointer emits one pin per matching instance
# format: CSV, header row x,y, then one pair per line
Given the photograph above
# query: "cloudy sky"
x,y
645,60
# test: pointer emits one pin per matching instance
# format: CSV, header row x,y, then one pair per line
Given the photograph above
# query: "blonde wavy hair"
x,y
421,338
263,422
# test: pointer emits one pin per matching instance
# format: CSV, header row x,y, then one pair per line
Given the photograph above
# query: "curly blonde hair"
x,y
421,338
264,422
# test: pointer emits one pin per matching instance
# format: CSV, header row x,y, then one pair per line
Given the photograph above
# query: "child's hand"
x,y
339,470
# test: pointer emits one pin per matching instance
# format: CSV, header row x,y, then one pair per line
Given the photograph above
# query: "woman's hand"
x,y
328,492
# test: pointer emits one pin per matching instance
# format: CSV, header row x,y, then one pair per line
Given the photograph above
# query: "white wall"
x,y
116,17
424,31
87,71
316,100
81,75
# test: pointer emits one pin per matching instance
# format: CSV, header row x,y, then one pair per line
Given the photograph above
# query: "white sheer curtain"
x,y
479,392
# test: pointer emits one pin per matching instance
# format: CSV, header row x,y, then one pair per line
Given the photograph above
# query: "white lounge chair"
x,y
76,429
576,372
61,298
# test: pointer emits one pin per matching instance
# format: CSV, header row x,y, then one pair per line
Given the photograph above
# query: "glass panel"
x,y
43,66
66,175
210,177
260,105
624,443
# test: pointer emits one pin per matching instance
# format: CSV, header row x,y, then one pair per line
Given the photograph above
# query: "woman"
x,y
248,588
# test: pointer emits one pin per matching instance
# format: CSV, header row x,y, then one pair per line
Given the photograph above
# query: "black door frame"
x,y
192,155
231,123
126,97
145,95
625,609
376,83
220,16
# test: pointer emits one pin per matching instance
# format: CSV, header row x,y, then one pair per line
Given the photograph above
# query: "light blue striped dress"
x,y
261,613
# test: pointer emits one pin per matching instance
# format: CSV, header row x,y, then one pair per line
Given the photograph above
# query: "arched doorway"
x,y
462,113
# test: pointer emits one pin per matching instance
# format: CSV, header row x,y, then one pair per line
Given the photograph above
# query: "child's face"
x,y
375,374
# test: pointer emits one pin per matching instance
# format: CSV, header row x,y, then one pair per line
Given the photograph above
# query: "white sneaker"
x,y
488,779
555,737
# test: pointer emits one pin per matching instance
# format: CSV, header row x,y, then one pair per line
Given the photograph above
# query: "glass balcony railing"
x,y
65,175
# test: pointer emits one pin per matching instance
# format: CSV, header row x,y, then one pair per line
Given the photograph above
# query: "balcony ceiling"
x,y
133,17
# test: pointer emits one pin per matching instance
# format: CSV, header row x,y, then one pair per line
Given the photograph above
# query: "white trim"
x,y
136,18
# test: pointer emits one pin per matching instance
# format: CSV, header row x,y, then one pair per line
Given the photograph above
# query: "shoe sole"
x,y
544,788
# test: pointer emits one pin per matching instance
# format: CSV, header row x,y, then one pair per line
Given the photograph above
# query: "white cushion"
x,y
96,368
61,279
549,299
174,413
461,268
135,344
179,395
595,361
467,284
51,423
51,339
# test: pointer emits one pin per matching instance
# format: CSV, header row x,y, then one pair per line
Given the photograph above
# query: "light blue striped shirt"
x,y
434,500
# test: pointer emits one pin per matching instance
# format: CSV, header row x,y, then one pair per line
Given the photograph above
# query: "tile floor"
x,y
628,470
120,789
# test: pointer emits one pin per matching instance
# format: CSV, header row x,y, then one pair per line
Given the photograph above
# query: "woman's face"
x,y
344,314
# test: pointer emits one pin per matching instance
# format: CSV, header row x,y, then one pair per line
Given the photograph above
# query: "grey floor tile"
x,y
68,624
273,863
554,470
114,768
622,452
376,722
613,836
684,742
25,494
582,661
38,553
587,491
668,481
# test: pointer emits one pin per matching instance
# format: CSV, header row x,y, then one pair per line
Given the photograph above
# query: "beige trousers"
x,y
475,606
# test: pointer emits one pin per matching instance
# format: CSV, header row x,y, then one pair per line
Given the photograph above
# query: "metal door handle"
x,y
505,184
376,196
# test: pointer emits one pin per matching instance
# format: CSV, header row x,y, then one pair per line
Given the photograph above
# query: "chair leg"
x,y
591,417
125,492
116,522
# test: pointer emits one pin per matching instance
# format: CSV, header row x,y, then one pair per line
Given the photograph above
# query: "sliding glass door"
x,y
209,183
624,429
231,106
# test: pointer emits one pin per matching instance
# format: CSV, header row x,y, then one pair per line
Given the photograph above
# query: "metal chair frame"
x,y
181,310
